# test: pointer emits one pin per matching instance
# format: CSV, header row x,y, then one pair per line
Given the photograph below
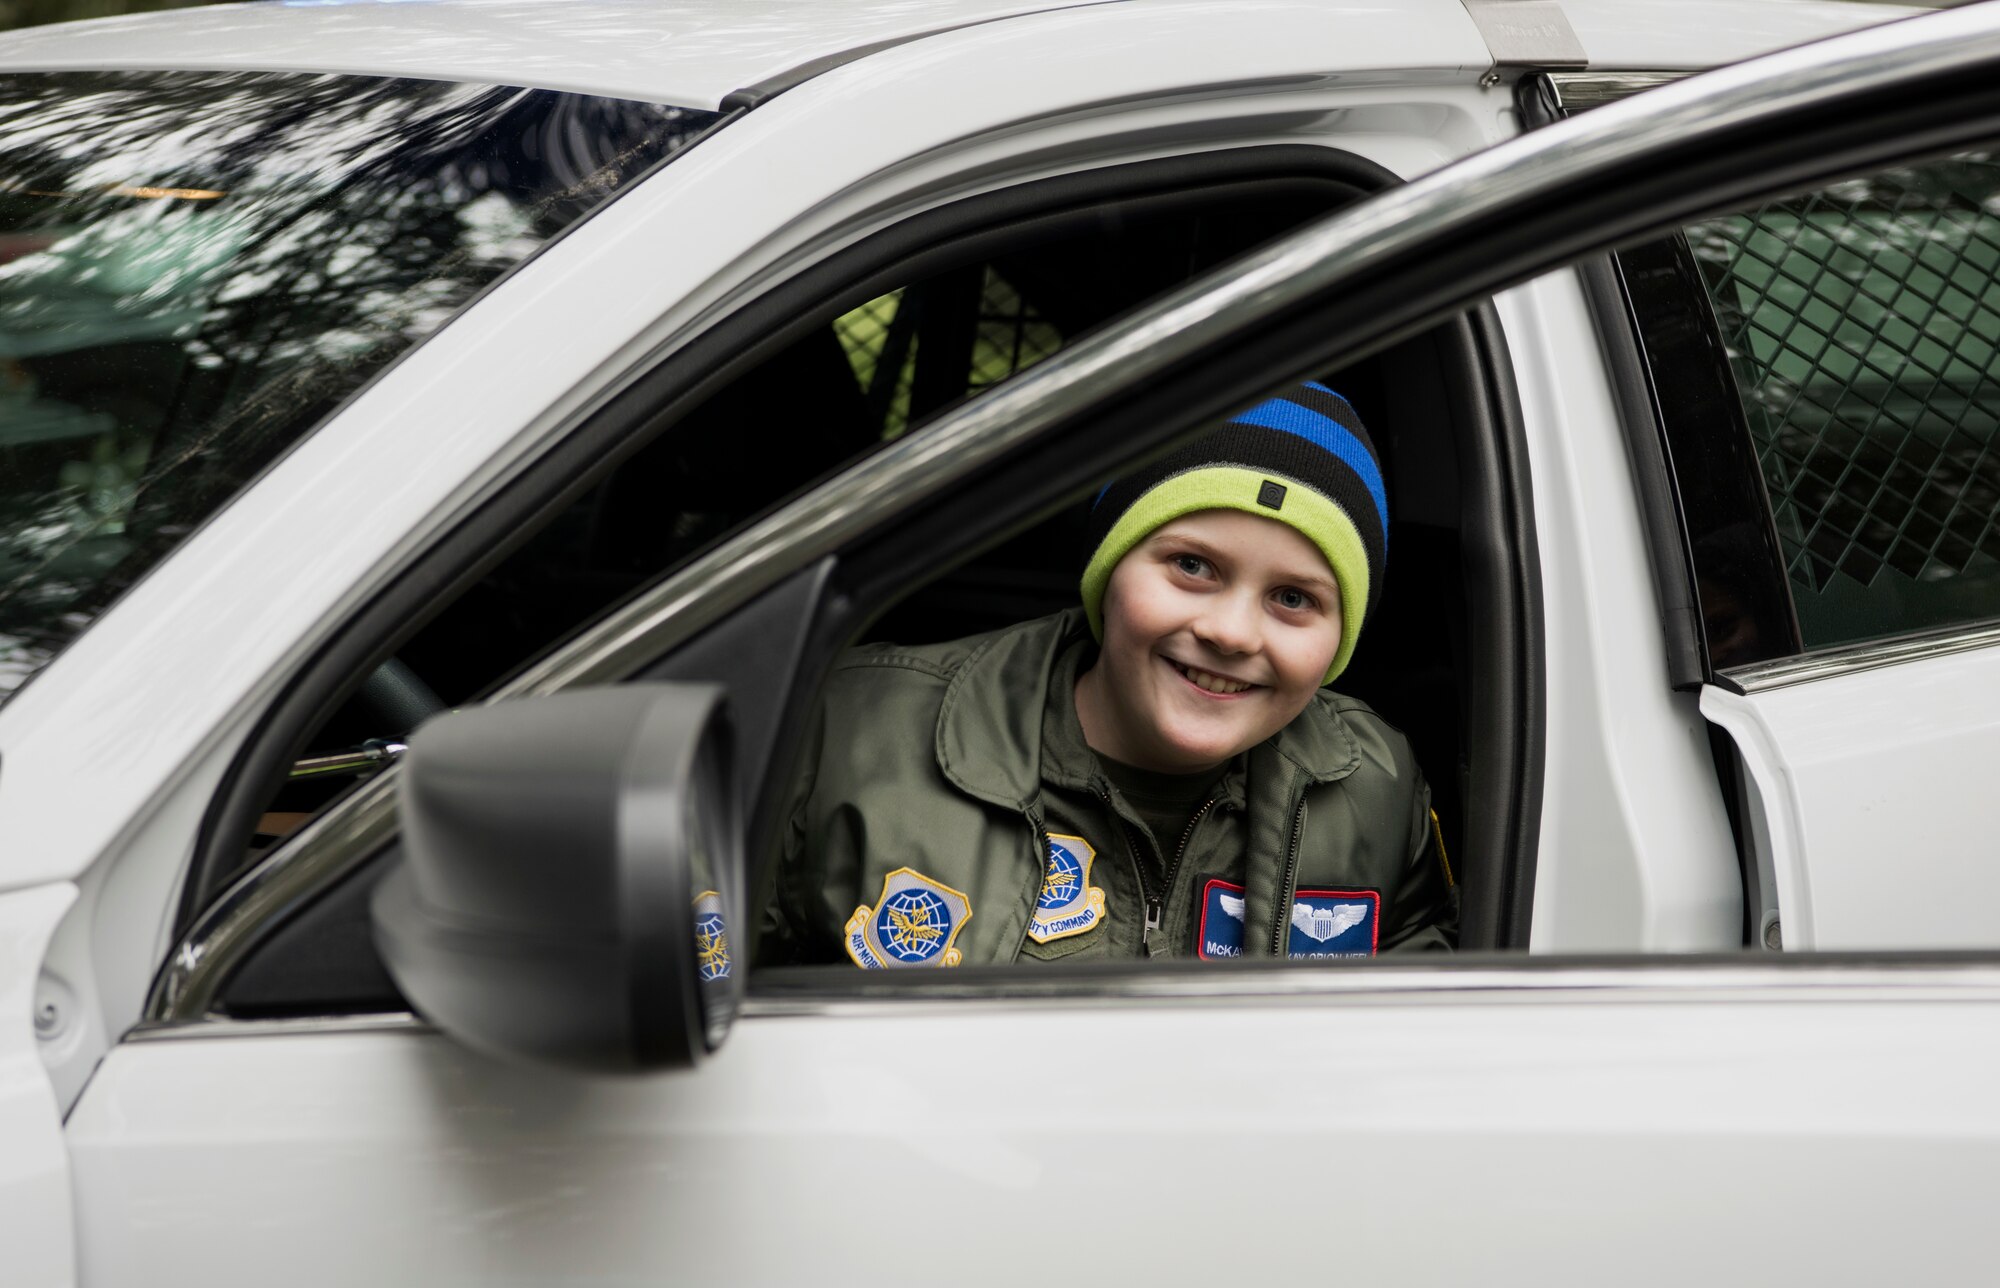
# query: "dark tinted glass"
x,y
1862,326
195,269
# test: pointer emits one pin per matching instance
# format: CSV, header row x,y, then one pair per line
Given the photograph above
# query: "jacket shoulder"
x,y
940,661
1381,744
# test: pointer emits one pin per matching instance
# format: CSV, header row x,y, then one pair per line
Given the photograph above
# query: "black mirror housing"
x,y
571,866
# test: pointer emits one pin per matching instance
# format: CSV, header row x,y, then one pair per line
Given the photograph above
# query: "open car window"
x,y
864,374
850,383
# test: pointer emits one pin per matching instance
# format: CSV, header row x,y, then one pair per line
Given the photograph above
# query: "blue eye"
x,y
1294,599
1192,565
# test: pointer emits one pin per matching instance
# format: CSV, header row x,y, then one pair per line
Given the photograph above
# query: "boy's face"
x,y
1218,629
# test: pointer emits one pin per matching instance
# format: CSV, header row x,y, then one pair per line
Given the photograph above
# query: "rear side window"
x,y
196,269
1861,326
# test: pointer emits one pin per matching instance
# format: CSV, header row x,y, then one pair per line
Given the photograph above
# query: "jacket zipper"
x,y
1138,870
1155,908
1156,896
1288,879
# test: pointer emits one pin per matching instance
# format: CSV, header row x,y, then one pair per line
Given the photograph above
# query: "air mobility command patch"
x,y
1334,923
1221,928
1069,904
711,938
912,924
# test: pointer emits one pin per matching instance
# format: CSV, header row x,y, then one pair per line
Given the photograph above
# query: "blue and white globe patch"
x,y
912,923
1068,904
711,937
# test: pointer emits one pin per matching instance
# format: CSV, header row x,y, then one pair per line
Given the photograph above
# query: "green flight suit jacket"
x,y
951,812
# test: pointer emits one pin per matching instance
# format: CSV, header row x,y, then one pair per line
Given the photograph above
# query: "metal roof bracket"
x,y
1523,34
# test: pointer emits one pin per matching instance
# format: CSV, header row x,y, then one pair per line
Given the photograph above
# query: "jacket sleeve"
x,y
1426,899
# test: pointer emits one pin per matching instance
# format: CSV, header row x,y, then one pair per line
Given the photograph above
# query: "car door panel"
x,y
1879,802
1634,848
37,1231
883,1137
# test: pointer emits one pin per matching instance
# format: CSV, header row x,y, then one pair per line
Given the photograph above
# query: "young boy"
x,y
1161,773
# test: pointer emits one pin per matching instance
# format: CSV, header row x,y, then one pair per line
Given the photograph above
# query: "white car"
x,y
359,361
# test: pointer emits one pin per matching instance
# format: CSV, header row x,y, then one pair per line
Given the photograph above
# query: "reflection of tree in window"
x,y
197,268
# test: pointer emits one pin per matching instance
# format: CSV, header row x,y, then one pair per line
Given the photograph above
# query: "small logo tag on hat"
x,y
1271,496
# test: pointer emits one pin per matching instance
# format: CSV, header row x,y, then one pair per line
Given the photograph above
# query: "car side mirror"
x,y
572,869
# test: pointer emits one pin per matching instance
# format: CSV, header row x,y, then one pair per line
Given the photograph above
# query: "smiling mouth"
x,y
1209,682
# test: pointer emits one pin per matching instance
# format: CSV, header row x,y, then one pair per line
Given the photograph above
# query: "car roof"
x,y
695,53
691,53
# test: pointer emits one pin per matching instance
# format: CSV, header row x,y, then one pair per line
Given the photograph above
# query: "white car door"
x,y
985,1134
1823,367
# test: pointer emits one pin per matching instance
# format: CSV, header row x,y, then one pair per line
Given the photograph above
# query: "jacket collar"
x,y
990,734
989,729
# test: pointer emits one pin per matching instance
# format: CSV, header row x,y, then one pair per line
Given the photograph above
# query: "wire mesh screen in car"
x,y
1011,335
1861,324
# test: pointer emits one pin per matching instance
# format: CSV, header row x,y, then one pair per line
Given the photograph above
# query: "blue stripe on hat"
x,y
1327,433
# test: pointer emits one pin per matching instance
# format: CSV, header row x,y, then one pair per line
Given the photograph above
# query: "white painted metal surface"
x,y
694,52
687,52
37,1231
1635,848
1508,1140
1667,35
1880,801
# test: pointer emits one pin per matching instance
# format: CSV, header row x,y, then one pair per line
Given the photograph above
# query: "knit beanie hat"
x,y
1301,458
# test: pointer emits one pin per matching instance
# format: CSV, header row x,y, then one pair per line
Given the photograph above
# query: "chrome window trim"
x,y
303,1026
1546,982
1581,91
1317,260
1852,658
321,852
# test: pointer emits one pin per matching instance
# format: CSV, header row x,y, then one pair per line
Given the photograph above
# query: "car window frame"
x,y
582,456
1690,447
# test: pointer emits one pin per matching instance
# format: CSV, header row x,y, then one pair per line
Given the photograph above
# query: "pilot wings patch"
x,y
1324,923
1333,923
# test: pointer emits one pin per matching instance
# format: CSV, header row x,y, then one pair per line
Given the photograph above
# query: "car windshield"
x,y
197,268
